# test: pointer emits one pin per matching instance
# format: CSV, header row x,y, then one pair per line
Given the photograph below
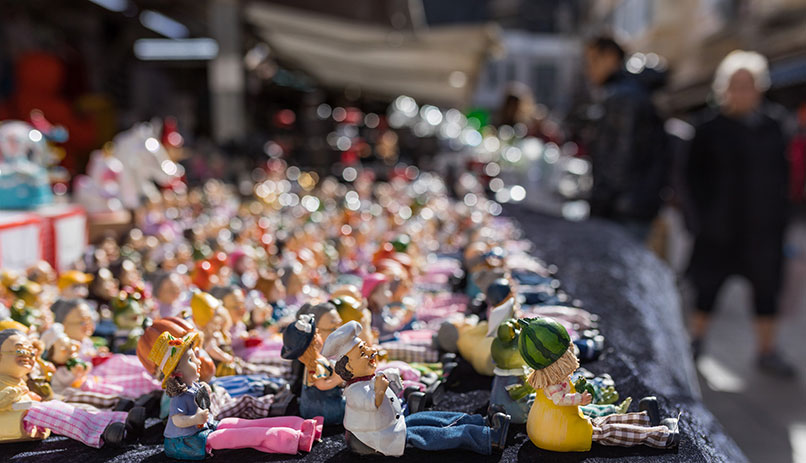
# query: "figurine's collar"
x,y
359,379
8,380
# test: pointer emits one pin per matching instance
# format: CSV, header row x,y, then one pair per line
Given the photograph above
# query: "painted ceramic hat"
x,y
298,336
168,350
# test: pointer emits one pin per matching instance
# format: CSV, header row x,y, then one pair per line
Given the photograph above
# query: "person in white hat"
x,y
373,415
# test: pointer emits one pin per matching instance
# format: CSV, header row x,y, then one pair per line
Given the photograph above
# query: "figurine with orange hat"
x,y
191,434
73,284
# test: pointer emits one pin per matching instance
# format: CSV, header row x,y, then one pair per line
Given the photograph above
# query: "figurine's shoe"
x,y
135,423
114,434
650,406
409,390
492,410
123,405
319,421
674,426
499,428
416,402
151,402
306,438
447,357
355,445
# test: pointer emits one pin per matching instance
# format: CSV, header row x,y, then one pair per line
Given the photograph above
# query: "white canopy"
x,y
437,65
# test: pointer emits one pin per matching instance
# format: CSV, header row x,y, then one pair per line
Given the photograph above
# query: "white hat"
x,y
499,314
342,340
52,334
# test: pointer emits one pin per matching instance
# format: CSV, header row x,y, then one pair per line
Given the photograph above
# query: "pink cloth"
x,y
66,420
282,434
125,374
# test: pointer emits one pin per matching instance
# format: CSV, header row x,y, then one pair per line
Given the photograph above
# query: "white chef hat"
x,y
499,314
342,340
50,336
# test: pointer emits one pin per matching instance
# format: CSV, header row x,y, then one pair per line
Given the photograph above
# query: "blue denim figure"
x,y
192,447
517,409
436,430
315,402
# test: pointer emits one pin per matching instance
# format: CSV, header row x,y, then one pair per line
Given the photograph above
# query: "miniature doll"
x,y
510,370
373,415
326,316
376,288
351,307
168,288
555,421
271,285
129,318
321,389
79,324
93,428
73,284
213,320
191,434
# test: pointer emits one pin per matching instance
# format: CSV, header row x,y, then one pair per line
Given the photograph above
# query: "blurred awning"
x,y
437,65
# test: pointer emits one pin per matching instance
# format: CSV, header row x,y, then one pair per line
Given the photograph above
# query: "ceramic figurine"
x,y
167,289
191,433
73,284
510,370
129,318
350,305
24,180
555,421
321,389
214,322
326,316
373,416
79,324
25,417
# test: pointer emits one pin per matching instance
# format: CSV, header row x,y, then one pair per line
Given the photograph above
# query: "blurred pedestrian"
x,y
738,179
628,149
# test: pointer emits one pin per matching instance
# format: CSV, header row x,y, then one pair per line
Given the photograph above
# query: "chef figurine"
x,y
191,434
373,418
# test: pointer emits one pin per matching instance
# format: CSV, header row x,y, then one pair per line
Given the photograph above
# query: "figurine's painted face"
x,y
17,356
362,360
63,349
328,322
170,290
235,302
79,324
189,366
105,285
380,296
77,291
130,317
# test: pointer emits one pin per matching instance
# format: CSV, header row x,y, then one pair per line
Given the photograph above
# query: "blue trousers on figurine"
x,y
436,430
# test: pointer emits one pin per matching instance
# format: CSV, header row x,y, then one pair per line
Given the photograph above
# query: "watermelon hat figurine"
x,y
556,422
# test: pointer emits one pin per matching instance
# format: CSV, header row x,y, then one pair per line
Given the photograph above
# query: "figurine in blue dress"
x,y
321,389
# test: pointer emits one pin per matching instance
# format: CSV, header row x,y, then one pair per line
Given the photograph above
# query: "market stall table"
x,y
647,354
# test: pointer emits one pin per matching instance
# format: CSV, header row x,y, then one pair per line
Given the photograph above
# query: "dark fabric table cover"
x,y
647,353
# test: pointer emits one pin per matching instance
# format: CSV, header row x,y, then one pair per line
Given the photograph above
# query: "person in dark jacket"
x,y
628,150
737,176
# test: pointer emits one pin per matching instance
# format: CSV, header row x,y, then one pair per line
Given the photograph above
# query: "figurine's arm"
x,y
381,383
8,395
561,395
217,354
186,421
325,384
